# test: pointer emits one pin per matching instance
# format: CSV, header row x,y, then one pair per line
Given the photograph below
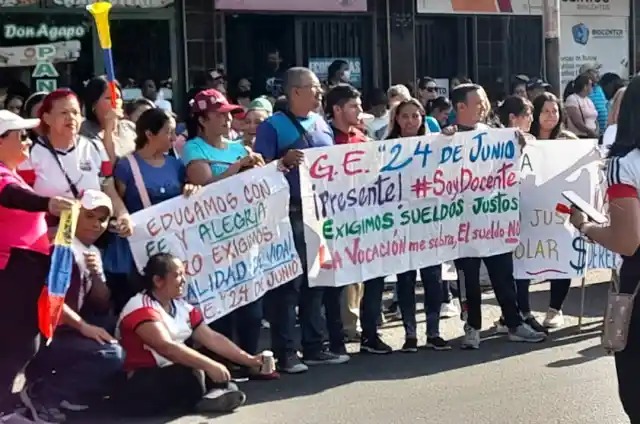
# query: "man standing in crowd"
x,y
344,108
150,92
467,102
536,87
597,96
283,136
378,108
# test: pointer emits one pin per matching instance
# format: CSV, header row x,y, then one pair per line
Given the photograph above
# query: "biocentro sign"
x,y
589,4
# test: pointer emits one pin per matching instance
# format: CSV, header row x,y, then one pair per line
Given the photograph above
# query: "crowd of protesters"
x,y
131,336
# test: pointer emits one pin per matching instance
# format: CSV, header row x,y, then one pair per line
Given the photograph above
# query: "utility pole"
x,y
551,24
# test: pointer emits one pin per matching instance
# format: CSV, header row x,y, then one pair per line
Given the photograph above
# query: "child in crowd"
x,y
75,369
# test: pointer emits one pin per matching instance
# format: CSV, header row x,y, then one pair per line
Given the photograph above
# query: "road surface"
x,y
566,380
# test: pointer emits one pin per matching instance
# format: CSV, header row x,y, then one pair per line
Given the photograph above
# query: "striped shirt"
x,y
600,102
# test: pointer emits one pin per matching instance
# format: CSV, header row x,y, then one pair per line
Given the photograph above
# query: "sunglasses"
x,y
431,89
23,134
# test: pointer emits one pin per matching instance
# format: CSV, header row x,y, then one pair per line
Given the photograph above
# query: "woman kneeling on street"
x,y
165,374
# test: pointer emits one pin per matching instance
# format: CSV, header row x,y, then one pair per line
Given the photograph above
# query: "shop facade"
x,y
304,32
595,32
484,40
46,44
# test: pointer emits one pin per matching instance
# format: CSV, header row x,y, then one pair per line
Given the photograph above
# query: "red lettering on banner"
x,y
353,157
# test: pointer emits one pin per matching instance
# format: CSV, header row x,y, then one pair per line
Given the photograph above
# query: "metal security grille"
x,y
437,44
336,37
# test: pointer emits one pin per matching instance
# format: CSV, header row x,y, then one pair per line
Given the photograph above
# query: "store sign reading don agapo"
x,y
49,32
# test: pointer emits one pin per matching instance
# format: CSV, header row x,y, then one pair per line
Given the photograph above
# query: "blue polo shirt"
x,y
277,135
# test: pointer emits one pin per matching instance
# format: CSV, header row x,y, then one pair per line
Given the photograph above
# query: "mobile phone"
x,y
582,205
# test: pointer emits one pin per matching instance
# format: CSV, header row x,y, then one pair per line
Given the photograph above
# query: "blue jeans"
x,y
83,368
284,299
246,323
406,286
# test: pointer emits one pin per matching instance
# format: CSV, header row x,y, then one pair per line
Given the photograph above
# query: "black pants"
x,y
500,268
21,281
122,287
161,391
557,294
244,323
627,361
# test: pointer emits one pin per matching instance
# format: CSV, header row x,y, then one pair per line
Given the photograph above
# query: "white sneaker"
x,y
501,327
554,319
73,407
471,339
15,418
449,310
222,400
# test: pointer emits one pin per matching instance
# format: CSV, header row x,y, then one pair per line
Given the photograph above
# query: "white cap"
x,y
93,199
9,121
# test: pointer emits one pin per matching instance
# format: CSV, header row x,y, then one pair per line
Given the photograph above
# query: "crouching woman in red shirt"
x,y
164,373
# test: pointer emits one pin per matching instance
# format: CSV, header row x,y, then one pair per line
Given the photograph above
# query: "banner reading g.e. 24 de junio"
x,y
234,237
380,208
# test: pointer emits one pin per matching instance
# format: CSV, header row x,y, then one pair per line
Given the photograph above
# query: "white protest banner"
x,y
380,208
234,237
549,245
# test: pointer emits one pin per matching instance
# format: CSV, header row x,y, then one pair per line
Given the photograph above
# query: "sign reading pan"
x,y
142,4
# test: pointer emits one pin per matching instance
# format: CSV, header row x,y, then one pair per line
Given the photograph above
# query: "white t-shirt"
x,y
586,108
86,164
623,175
609,135
142,308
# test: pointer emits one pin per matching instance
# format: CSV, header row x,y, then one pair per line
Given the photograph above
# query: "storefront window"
x,y
40,52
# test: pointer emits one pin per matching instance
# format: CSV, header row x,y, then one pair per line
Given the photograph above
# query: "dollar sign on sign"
x,y
580,248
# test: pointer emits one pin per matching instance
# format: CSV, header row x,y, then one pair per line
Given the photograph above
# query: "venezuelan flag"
x,y
52,297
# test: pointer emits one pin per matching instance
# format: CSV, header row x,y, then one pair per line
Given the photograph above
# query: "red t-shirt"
x,y
353,136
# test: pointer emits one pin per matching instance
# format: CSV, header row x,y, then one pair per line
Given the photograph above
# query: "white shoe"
x,y
524,333
554,319
471,339
73,407
449,310
15,418
222,400
501,327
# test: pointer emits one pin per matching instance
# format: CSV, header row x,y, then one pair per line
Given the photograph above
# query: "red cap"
x,y
212,101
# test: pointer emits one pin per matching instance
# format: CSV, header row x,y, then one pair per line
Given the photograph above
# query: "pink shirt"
x,y
21,229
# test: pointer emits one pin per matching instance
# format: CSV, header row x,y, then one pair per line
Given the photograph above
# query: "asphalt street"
x,y
565,380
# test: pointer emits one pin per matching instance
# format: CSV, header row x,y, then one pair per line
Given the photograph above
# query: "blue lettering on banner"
x,y
396,164
601,258
499,150
270,258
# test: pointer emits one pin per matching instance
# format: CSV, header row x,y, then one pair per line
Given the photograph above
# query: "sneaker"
x,y
554,319
438,343
375,346
410,345
15,418
222,400
471,339
501,327
393,312
39,413
524,333
292,365
532,322
449,310
73,407
325,357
